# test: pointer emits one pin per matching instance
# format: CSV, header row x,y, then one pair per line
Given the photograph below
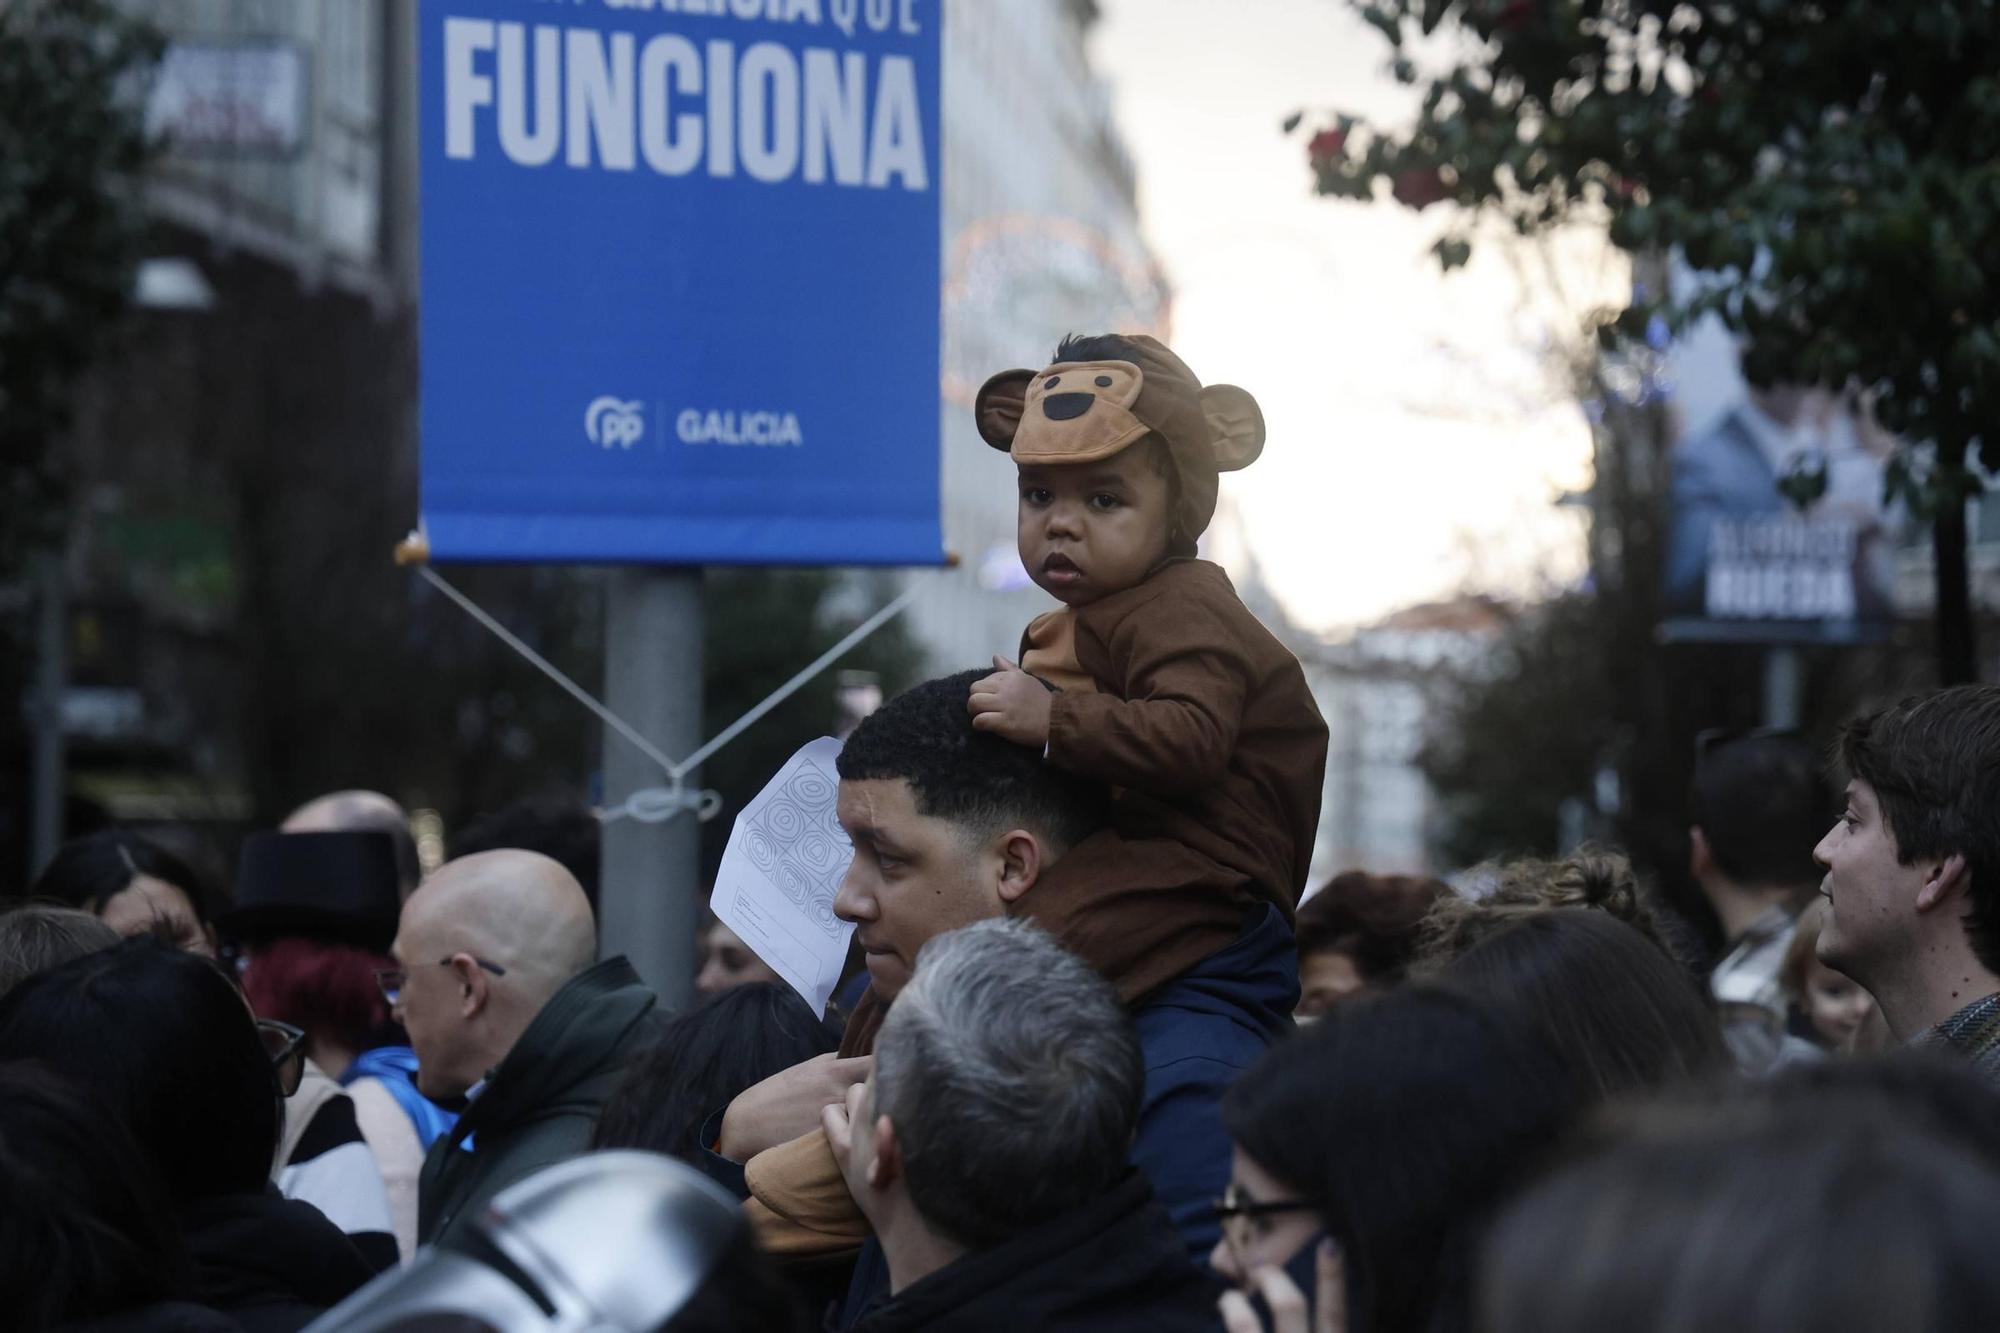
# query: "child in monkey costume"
x,y
1166,687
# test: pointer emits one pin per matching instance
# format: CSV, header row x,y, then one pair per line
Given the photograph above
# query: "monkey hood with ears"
x,y
1084,411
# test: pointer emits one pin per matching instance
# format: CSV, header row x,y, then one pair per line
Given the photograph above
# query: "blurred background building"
x,y
249,445
1377,690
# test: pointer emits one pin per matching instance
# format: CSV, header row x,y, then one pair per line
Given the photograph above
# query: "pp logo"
x,y
611,421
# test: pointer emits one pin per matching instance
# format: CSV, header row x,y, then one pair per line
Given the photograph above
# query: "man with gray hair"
x,y
35,937
988,1149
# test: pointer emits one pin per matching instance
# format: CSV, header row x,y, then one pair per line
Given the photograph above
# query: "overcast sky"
x,y
1415,441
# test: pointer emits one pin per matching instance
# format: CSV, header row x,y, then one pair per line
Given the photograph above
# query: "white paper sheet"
x,y
784,863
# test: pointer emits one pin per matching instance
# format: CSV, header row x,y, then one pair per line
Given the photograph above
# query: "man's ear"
x,y
474,986
1700,859
885,1164
1945,879
1235,425
998,405
1020,855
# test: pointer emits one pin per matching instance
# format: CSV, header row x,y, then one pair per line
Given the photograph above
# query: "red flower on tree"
x,y
1419,187
1515,15
1326,145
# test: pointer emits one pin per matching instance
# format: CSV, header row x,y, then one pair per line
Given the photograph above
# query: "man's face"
x,y
428,1008
913,876
1871,897
1090,529
1326,977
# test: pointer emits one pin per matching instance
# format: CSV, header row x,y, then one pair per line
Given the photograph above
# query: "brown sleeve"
x,y
1180,675
799,1204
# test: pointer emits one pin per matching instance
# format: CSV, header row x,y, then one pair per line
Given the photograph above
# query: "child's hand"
x,y
1012,703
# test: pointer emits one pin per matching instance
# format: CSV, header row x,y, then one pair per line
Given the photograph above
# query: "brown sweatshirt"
x,y
1203,724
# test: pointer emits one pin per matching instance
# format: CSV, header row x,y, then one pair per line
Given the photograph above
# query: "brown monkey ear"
x,y
1235,425
997,407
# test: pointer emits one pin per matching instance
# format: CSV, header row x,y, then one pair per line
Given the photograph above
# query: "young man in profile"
x,y
1913,870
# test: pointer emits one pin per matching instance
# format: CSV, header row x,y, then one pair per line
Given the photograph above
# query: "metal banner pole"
x,y
650,895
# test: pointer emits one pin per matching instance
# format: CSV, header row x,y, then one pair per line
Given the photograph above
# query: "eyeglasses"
x,y
281,1043
1232,1206
393,979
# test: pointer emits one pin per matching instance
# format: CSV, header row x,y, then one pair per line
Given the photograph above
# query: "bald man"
x,y
496,986
358,811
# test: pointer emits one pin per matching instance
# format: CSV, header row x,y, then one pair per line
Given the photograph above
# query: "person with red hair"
x,y
312,912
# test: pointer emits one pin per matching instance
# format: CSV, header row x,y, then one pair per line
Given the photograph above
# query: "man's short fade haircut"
x,y
1934,763
971,778
1013,1078
1761,803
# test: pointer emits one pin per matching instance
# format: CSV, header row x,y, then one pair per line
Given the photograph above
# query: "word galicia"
x,y
604,100
697,427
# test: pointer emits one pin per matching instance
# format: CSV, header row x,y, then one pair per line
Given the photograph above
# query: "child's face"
x,y
1090,529
1836,1006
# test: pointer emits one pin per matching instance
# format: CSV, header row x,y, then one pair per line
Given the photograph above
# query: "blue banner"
x,y
680,280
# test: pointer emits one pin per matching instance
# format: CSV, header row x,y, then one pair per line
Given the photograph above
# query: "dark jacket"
x,y
541,1105
1198,1033
270,1263
1115,1263
163,1317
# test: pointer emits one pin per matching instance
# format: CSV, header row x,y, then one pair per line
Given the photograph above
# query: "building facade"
x,y
1376,691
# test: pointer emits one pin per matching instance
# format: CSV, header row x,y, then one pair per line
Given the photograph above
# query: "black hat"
x,y
338,887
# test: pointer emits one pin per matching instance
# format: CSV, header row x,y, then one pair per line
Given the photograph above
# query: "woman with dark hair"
x,y
1861,1196
1624,1016
165,1043
87,1238
702,1059
1358,935
137,887
1389,1128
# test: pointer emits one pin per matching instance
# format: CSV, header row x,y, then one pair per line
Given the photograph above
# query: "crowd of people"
x,y
1096,1066
1527,1102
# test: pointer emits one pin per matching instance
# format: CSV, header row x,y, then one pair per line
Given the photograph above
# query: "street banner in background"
x,y
680,280
1776,529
